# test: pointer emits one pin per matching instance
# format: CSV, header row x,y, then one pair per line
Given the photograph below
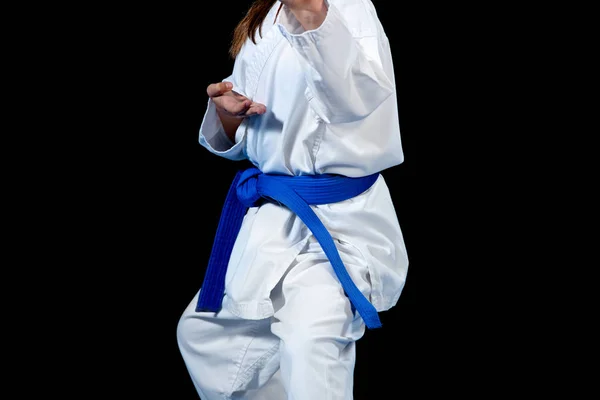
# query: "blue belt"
x,y
296,193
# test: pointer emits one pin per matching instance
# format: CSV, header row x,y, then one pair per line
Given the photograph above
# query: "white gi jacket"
x,y
331,108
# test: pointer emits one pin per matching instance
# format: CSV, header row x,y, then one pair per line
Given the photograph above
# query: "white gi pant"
x,y
305,351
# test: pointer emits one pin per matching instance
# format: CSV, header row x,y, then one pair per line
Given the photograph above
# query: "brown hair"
x,y
250,24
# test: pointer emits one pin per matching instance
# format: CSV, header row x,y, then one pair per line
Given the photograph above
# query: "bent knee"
x,y
189,332
182,331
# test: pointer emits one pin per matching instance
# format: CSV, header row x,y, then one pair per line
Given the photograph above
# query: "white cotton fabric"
x,y
306,350
331,108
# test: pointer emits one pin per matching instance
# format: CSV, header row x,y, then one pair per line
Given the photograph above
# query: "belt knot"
x,y
246,190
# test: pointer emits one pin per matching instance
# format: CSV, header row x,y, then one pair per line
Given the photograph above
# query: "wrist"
x,y
230,123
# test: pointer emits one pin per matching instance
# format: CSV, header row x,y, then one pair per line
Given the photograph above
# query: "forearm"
x,y
230,124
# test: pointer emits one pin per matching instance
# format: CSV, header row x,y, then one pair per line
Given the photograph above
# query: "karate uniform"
x,y
286,330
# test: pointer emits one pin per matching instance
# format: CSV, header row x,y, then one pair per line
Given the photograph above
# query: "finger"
x,y
217,89
240,108
256,108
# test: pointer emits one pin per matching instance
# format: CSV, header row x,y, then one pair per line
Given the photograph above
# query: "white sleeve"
x,y
346,74
212,135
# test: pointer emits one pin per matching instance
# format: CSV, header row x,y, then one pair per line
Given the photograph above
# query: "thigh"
x,y
272,390
225,354
318,329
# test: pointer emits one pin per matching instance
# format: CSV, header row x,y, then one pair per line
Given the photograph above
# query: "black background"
x,y
141,198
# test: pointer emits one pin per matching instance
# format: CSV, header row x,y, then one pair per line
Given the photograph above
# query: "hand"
x,y
232,104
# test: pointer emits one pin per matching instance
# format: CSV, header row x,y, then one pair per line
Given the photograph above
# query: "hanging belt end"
x,y
372,321
209,303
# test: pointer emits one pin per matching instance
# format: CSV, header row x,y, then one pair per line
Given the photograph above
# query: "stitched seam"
x,y
242,355
262,361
